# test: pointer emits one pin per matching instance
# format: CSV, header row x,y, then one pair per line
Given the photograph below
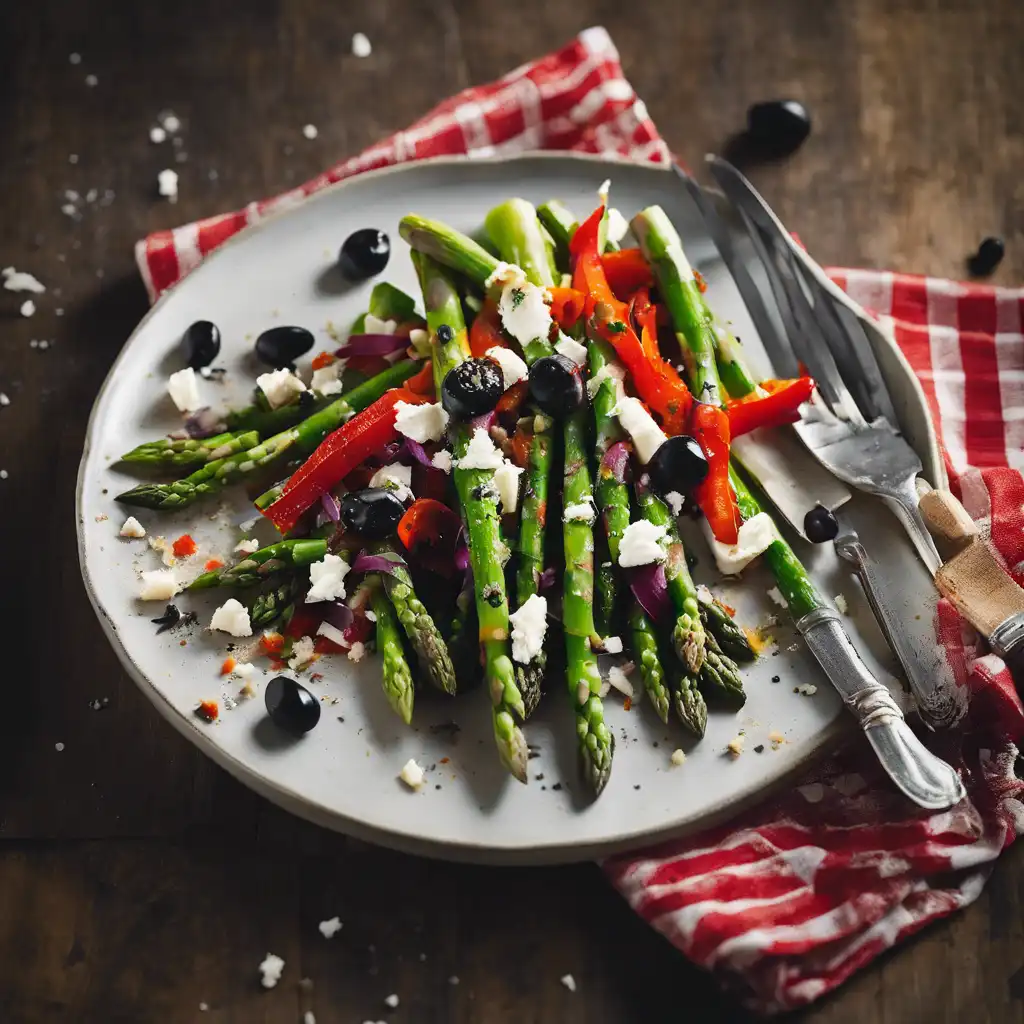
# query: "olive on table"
x,y
281,346
364,254
201,344
989,255
678,465
472,388
821,525
556,385
291,706
778,127
373,512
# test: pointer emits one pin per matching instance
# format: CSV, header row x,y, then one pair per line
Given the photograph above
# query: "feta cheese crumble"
x,y
571,349
641,544
522,306
422,423
569,982
184,390
581,512
4,400
442,460
412,774
132,528
270,970
506,480
19,281
232,617
678,757
303,652
620,681
28,308
675,502
310,131
330,927
327,579
335,635
513,369
607,372
361,45
157,134
167,184
374,325
419,339
396,477
704,594
392,1000
841,604
612,645
280,386
357,651
158,585
327,379
647,436
807,689
529,627
616,226
247,547
480,452
754,537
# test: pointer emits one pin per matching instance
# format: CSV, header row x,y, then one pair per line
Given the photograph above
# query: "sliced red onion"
x,y
616,460
378,563
547,580
462,554
338,614
203,423
372,345
333,511
650,588
418,452
484,422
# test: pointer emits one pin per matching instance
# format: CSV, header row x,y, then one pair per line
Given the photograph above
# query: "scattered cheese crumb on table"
x,y
132,528
361,45
271,969
412,774
330,927
58,747
310,131
157,134
735,745
392,1000
678,757
28,307
841,604
569,982
167,183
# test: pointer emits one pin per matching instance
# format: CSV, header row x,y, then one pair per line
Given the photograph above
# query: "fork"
x,y
849,426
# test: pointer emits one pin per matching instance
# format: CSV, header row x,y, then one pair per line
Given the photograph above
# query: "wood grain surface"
x,y
136,879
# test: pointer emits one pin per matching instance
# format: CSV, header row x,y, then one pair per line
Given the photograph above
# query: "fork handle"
x,y
903,503
916,771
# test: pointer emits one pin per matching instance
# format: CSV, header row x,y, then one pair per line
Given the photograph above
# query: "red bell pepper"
x,y
366,434
486,331
627,271
709,424
431,530
780,405
512,398
656,381
567,306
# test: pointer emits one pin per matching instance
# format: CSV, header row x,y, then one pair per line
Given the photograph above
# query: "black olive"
x,y
291,706
778,127
989,255
820,525
201,344
678,465
170,618
472,388
556,385
373,513
281,346
364,253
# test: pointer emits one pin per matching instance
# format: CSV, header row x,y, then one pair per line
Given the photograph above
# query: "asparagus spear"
x,y
480,513
596,741
729,637
260,564
720,673
645,652
396,676
273,604
560,225
191,453
449,247
300,440
517,234
688,702
423,634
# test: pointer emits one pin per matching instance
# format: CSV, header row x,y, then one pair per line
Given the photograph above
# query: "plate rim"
x,y
294,801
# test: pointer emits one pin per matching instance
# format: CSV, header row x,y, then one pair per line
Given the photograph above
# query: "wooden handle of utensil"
x,y
948,522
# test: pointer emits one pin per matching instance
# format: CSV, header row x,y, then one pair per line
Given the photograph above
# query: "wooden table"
x,y
136,879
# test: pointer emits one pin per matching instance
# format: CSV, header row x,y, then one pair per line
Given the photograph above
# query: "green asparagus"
x,y
255,568
518,237
728,635
560,225
688,702
645,652
276,603
480,513
721,674
396,676
448,247
191,453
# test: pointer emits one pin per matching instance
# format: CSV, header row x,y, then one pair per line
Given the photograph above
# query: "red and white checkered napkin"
x,y
788,900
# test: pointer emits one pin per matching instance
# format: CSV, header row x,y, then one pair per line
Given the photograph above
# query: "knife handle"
x,y
1007,640
916,771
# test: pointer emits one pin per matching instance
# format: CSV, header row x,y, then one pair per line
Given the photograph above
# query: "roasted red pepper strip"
x,y
431,530
709,424
780,405
339,453
567,306
627,271
656,381
485,331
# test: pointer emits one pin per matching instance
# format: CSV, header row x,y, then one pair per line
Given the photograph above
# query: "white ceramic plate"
x,y
344,773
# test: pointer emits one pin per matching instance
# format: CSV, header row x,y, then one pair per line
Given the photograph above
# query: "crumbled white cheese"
x,y
28,308
132,528
327,379
184,390
529,627
612,645
513,369
582,511
571,349
270,970
480,452
303,652
569,982
170,121
91,81
232,617
522,306
247,547
246,672
675,502
361,45
618,679
419,339
330,927
158,585
357,651
603,190
335,635
327,579
4,400
807,689
167,183
392,1001
310,131
506,481
735,745
755,536
374,325
395,477
163,548
424,422
704,594
157,134
20,281
647,436
678,757
610,371
442,460
776,597
616,226
371,615
641,544
841,604
280,386
411,774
